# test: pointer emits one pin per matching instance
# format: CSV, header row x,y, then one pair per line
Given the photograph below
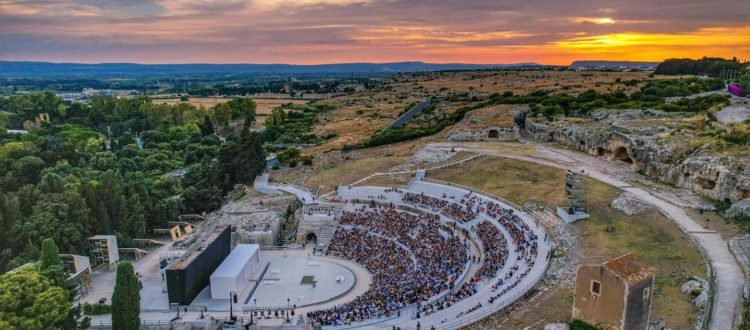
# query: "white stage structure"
x,y
235,271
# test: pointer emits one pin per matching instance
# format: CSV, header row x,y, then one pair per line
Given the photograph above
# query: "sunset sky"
x,y
335,31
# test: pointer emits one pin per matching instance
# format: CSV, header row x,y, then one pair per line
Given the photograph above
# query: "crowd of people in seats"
x,y
415,257
412,258
522,235
459,212
495,249
424,201
524,239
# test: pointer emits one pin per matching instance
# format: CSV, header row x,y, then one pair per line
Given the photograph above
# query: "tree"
x,y
277,117
241,162
28,169
31,301
207,128
243,107
50,264
134,223
126,299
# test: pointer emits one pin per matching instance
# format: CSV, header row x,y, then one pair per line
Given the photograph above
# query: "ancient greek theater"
x,y
432,255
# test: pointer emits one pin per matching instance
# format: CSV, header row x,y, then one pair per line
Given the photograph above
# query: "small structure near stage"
x,y
235,271
616,294
318,223
79,268
104,251
189,273
575,198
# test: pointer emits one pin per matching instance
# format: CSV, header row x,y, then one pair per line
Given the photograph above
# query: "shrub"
x,y
96,309
288,154
581,325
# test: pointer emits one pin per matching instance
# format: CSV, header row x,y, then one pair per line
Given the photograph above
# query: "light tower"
x,y
574,207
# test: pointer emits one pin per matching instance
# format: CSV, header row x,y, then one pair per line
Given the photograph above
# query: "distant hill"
x,y
46,69
613,65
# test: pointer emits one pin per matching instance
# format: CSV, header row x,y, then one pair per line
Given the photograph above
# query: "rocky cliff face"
x,y
638,137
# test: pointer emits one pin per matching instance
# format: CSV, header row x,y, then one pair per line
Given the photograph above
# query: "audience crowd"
x,y
424,201
414,258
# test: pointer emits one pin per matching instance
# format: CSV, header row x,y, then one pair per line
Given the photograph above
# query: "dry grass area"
x,y
650,236
403,179
264,106
351,171
335,167
517,181
390,180
356,117
519,82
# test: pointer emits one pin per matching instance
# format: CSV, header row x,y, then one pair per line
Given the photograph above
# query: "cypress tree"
x,y
50,264
126,299
50,254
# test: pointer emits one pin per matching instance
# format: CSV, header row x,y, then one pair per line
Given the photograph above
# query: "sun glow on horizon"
x,y
596,20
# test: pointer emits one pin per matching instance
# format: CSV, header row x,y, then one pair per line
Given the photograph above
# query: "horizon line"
x,y
327,63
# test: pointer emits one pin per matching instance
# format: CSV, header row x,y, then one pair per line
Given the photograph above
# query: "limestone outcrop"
x,y
739,209
644,139
630,204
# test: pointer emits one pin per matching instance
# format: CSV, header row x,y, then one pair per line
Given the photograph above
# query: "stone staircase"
x,y
326,233
322,226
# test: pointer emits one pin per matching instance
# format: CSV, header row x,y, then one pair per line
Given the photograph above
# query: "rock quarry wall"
x,y
611,136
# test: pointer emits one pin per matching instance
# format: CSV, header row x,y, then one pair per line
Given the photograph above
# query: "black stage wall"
x,y
185,283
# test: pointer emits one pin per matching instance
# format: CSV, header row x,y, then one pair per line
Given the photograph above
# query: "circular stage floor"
x,y
292,276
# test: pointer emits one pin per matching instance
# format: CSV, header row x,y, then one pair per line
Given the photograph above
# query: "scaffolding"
x,y
575,192
104,251
574,207
79,268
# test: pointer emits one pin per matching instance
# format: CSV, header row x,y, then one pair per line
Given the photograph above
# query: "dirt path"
x,y
727,273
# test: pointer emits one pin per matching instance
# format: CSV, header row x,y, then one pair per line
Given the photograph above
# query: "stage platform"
x,y
292,276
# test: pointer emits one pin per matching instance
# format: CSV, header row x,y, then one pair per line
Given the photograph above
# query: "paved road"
x,y
409,114
729,276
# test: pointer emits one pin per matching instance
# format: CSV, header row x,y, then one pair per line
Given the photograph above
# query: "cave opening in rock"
x,y
599,151
742,193
312,238
493,134
621,154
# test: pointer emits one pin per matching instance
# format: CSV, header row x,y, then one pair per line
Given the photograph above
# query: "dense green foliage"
x,y
31,301
50,265
744,81
126,299
575,324
681,87
698,104
711,66
293,123
96,309
113,166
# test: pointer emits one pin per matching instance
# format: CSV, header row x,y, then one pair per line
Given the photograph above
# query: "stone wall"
x,y
493,133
